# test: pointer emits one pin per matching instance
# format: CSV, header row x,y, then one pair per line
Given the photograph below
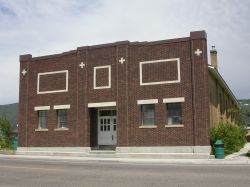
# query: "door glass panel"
x,y
101,121
113,112
114,127
108,128
104,122
105,113
104,127
114,121
101,127
108,121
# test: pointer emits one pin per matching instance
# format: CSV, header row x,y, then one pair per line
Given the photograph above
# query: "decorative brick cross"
x,y
198,52
81,65
122,60
24,72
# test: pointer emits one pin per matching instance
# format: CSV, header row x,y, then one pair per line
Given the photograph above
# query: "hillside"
x,y
245,104
10,112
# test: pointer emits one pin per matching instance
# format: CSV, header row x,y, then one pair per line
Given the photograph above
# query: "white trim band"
x,y
103,104
173,100
147,101
178,80
37,108
109,77
57,107
49,73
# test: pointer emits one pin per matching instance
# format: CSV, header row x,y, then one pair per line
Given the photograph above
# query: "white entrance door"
x,y
107,127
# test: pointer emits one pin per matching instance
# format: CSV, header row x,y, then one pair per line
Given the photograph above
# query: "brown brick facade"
x,y
125,90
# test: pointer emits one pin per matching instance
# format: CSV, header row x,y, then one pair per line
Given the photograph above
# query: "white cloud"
x,y
52,26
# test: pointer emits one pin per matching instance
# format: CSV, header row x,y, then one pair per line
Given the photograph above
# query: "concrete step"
x,y
165,155
102,152
113,154
151,155
51,153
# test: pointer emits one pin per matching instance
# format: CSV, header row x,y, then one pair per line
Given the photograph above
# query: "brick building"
x,y
132,96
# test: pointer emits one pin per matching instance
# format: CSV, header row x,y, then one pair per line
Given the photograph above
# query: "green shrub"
x,y
233,136
248,154
5,129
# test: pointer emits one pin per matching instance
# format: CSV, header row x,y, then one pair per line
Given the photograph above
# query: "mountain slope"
x,y
11,113
245,104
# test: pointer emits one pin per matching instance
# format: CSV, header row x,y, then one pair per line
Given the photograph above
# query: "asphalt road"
x,y
41,172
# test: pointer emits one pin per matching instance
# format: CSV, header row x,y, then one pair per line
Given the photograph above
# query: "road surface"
x,y
47,172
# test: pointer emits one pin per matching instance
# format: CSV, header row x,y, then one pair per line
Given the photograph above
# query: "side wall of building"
x,y
220,104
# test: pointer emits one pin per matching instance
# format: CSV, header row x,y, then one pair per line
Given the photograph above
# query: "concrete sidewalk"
x,y
238,158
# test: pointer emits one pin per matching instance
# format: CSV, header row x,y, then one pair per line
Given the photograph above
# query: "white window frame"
x,y
161,82
50,73
109,77
142,117
58,121
174,100
146,102
39,125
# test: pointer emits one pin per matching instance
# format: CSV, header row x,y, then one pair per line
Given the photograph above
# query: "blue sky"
x,y
43,27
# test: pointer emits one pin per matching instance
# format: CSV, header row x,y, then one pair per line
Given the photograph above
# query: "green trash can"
x,y
15,143
219,149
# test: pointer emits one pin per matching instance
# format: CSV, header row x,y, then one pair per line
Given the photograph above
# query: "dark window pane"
x,y
113,112
148,121
62,118
148,114
105,113
43,119
174,111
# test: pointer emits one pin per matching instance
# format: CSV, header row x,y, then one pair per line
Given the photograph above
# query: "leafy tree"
x,y
5,129
242,113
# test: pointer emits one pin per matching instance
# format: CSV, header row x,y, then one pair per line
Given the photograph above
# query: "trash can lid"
x,y
218,142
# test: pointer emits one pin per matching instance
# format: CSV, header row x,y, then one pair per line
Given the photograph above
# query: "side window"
x,y
43,119
174,113
148,114
62,116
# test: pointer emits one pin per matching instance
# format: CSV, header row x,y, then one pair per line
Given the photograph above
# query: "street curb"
x,y
241,161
